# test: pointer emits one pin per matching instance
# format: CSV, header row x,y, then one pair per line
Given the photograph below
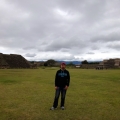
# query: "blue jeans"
x,y
57,94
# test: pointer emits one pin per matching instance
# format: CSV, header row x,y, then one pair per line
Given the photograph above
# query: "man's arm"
x,y
56,78
68,80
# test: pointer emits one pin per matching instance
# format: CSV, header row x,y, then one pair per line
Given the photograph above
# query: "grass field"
x,y
27,94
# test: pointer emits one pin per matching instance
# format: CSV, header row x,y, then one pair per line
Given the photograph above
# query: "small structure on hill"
x,y
13,61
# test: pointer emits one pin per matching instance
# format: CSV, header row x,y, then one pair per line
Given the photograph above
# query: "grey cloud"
x,y
95,46
28,48
92,11
114,45
69,44
90,53
105,52
64,50
115,36
73,27
30,55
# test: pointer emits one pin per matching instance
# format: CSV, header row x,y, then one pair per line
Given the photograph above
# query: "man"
x,y
62,80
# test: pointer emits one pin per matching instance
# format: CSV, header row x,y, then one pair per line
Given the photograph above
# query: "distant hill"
x,y
68,62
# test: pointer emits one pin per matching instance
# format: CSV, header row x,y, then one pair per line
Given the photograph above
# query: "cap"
x,y
63,63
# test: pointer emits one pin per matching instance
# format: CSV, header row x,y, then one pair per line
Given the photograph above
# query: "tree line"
x,y
52,62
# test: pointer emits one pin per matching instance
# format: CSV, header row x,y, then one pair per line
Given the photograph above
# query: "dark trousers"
x,y
57,94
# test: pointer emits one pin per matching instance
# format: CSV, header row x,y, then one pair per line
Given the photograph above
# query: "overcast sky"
x,y
60,29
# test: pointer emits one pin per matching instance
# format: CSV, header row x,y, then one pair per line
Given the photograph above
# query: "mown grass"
x,y
27,94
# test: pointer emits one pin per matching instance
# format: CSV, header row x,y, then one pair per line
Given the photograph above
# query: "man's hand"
x,y
56,87
66,87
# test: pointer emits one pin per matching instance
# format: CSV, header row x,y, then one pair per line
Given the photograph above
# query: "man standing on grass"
x,y
62,80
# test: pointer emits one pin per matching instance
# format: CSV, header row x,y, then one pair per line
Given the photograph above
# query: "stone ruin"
x,y
13,61
110,63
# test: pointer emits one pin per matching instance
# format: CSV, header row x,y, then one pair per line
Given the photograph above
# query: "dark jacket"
x,y
62,78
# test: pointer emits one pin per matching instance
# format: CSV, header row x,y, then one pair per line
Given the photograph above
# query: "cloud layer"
x,y
60,29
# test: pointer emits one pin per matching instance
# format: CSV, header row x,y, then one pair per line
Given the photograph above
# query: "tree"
x,y
51,62
45,64
84,62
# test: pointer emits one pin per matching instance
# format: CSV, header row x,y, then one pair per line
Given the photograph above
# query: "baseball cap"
x,y
63,63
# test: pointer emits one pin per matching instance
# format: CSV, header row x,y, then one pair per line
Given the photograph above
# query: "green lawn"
x,y
27,94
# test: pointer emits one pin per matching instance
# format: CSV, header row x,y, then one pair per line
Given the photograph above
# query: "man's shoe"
x,y
62,108
53,108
